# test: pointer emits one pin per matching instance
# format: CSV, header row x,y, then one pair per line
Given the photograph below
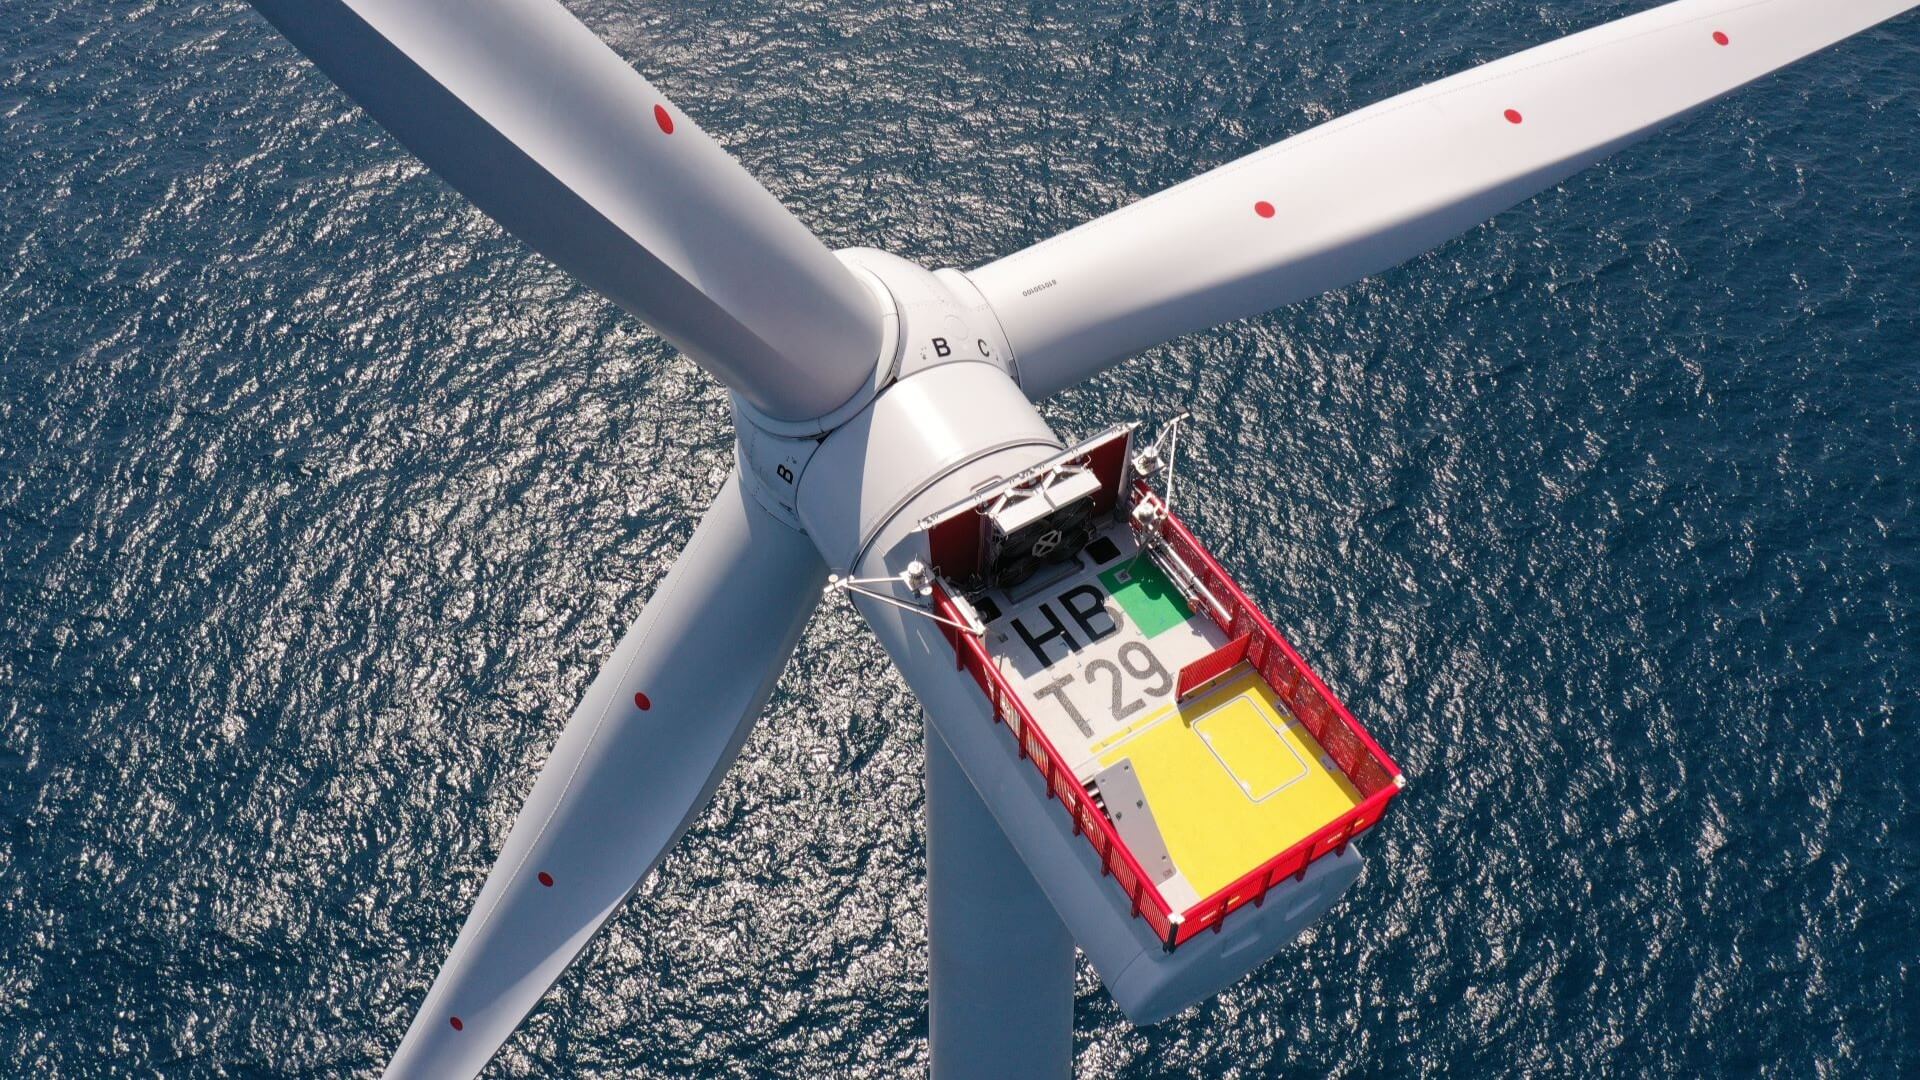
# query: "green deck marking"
x,y
1145,594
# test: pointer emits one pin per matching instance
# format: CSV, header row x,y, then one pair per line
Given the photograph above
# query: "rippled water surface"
x,y
321,500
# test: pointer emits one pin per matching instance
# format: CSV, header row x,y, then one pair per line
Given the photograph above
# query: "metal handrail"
x,y
1088,820
1357,755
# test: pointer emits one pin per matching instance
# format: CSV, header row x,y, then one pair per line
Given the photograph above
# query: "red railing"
x,y
1202,672
1088,820
1372,773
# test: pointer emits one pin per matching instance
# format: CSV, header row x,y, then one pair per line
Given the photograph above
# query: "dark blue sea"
x,y
321,501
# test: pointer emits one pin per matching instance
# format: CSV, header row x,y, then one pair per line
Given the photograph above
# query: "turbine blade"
x,y
639,759
1373,189
530,115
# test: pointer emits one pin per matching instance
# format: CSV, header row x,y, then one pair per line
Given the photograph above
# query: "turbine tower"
x,y
1179,833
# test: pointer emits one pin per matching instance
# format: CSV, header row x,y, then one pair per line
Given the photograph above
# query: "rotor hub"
x,y
930,320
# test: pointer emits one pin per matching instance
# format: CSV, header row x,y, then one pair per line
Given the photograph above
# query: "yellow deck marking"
x,y
1146,721
1216,829
1253,749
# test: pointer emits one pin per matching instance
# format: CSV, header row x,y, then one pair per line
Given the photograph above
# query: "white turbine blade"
x,y
1375,188
534,118
642,754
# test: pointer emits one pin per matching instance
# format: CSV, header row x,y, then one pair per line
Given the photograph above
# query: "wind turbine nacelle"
x,y
956,430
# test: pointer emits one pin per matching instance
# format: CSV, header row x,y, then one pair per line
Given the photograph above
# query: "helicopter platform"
x,y
1192,746
1220,781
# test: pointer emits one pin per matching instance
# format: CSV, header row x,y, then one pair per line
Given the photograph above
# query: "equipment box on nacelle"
x,y
1187,739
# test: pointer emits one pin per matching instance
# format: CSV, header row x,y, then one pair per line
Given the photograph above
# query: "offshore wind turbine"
x,y
886,432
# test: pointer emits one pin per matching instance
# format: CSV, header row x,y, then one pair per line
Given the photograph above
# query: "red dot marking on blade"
x,y
1263,208
457,1025
642,701
1513,116
546,879
1720,38
661,117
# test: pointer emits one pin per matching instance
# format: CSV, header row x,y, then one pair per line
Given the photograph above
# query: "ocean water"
x,y
321,501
